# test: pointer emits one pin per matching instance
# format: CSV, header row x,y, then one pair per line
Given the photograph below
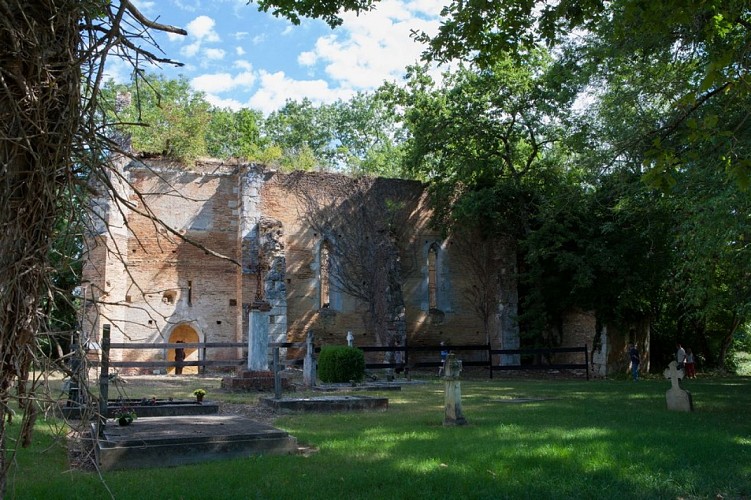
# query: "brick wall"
x,y
164,289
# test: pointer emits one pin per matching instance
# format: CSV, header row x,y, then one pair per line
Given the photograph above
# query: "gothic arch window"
x,y
324,274
433,276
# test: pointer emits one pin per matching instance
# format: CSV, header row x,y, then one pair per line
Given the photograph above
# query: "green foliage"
x,y
358,136
324,9
234,134
341,364
696,53
161,116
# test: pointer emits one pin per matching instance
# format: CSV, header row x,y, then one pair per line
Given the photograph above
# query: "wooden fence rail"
x,y
401,356
486,349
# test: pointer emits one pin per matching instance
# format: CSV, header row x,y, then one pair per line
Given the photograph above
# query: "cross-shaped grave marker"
x,y
677,398
674,374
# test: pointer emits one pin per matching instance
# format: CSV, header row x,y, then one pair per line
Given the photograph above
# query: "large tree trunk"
x,y
727,341
39,115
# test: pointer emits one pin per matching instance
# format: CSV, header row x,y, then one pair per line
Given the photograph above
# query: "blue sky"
x,y
241,57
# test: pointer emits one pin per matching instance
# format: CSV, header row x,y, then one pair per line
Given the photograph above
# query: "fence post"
x,y
277,376
490,360
586,359
309,363
104,380
406,359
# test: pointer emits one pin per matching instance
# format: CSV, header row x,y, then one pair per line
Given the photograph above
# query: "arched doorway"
x,y
184,333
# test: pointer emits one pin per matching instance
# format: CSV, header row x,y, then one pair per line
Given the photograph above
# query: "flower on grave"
x,y
125,414
199,392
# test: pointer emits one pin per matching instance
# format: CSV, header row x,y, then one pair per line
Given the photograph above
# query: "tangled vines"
x,y
52,143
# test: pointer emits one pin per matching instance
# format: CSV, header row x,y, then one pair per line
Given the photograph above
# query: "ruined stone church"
x,y
183,254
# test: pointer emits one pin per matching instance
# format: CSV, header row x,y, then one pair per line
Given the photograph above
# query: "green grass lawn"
x,y
598,439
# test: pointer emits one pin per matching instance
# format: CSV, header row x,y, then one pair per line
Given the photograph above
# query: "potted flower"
x,y
199,394
125,416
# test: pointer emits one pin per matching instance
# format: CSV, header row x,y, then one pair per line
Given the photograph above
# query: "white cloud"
x,y
216,83
360,55
308,58
276,88
243,64
119,70
214,53
143,6
218,102
187,6
191,50
371,48
202,28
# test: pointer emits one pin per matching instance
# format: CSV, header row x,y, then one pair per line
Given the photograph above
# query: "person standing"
x,y
444,355
690,364
179,359
633,354
680,356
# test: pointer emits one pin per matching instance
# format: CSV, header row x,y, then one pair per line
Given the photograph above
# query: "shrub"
x,y
341,364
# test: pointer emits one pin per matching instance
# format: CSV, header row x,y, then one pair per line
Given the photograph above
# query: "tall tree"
x,y
712,34
303,132
52,59
366,136
358,136
162,116
486,142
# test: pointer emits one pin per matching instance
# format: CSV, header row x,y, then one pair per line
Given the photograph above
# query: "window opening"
x,y
325,274
432,278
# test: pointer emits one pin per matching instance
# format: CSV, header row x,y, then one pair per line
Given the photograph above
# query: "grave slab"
x,y
173,441
144,408
327,403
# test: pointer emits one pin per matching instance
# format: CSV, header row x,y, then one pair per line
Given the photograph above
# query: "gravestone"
x,y
258,340
309,363
453,395
677,399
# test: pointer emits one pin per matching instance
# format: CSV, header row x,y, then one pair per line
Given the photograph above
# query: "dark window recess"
x,y
219,322
169,297
233,302
190,293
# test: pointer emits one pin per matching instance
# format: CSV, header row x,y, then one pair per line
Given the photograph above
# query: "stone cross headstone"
x,y
453,394
677,399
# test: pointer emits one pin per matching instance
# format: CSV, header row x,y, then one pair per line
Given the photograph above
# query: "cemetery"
x,y
454,277
522,437
545,433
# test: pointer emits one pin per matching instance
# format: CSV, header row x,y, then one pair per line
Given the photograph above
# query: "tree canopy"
x,y
707,40
632,93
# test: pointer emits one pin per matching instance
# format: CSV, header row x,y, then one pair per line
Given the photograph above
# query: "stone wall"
x,y
293,199
158,288
251,227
